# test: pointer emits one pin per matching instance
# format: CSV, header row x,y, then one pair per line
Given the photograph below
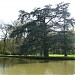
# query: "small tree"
x,y
5,30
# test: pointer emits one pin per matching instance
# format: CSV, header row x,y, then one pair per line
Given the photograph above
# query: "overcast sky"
x,y
9,8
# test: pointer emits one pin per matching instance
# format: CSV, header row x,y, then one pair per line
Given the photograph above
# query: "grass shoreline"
x,y
51,57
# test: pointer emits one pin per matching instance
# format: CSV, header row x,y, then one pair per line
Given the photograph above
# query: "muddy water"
x,y
16,66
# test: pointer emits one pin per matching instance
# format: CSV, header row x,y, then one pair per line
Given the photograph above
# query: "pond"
x,y
17,66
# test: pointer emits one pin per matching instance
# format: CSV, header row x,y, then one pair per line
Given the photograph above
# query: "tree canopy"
x,y
45,29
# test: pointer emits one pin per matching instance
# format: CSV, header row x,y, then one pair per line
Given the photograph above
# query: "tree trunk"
x,y
46,53
44,40
65,53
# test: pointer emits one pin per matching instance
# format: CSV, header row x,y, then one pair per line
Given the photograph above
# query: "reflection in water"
x,y
16,66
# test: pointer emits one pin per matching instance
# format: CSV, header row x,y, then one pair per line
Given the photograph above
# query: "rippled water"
x,y
16,66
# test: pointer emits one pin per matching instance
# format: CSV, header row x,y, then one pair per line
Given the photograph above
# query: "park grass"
x,y
51,57
56,55
71,55
60,55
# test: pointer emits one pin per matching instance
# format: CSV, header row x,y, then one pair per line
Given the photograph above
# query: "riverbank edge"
x,y
42,58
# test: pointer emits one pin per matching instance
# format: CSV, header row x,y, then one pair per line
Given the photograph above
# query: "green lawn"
x,y
60,55
50,55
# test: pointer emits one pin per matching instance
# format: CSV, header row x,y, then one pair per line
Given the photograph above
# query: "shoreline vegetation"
x,y
51,57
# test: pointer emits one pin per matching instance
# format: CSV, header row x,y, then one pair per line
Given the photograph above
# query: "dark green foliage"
x,y
57,42
39,31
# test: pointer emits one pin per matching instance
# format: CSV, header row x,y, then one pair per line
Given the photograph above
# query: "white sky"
x,y
9,8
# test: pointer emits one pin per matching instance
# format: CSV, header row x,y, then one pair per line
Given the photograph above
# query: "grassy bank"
x,y
51,57
60,55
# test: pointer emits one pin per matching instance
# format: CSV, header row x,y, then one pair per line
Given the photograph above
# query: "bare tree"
x,y
5,29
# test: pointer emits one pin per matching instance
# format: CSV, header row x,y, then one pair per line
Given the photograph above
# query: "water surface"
x,y
16,66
